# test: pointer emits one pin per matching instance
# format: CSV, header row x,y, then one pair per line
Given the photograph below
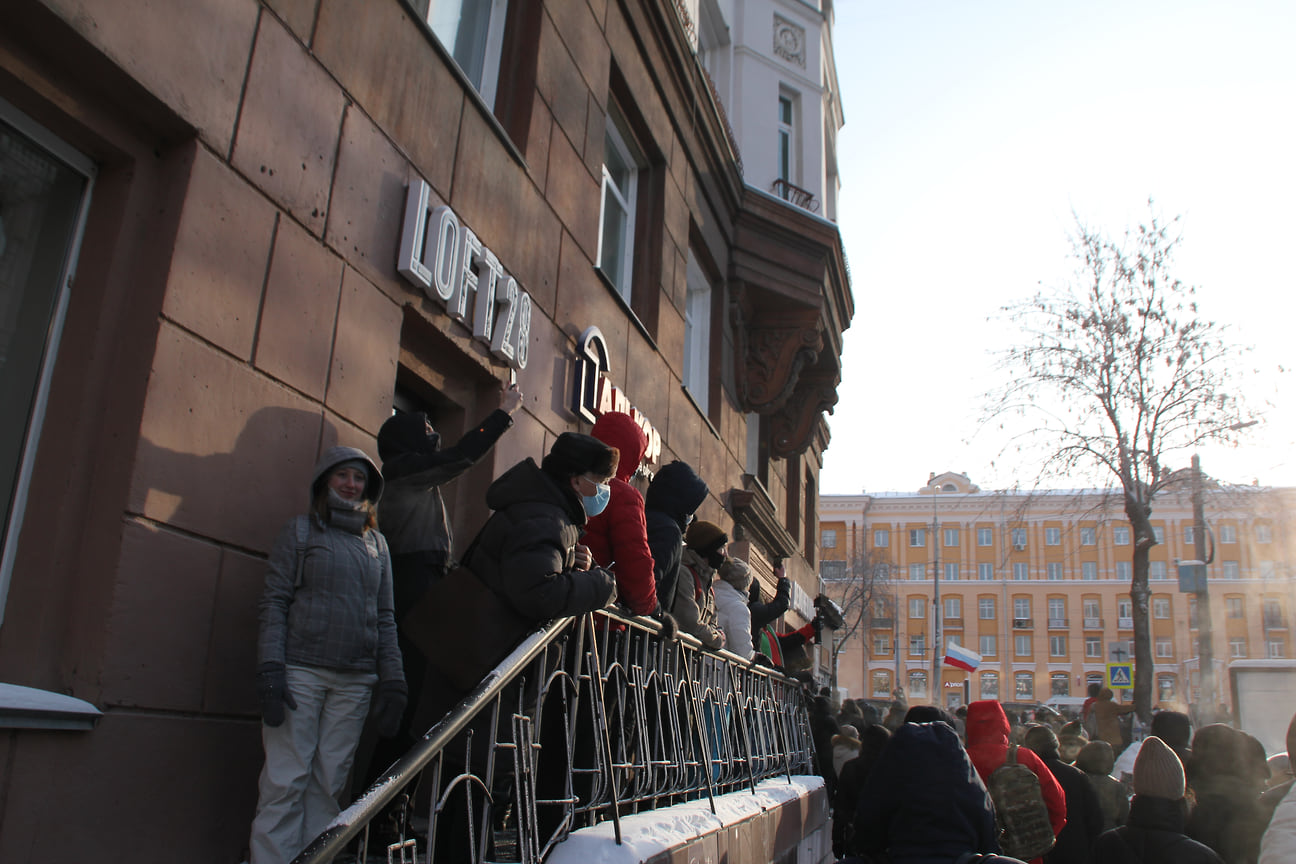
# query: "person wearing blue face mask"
x,y
528,550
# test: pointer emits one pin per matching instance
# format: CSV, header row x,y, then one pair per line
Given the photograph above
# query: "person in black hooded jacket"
x,y
1084,816
673,497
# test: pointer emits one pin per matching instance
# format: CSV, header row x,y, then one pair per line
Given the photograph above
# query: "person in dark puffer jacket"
x,y
1155,832
1096,760
674,495
1084,817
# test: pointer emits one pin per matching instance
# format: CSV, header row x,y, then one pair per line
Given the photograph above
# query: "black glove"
x,y
784,588
272,687
818,628
389,706
670,627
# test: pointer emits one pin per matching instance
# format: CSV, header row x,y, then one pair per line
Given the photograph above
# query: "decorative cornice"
x,y
756,519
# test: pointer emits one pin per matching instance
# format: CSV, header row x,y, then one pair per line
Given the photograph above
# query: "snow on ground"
x,y
644,835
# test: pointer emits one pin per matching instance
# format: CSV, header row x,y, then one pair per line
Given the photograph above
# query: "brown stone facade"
x,y
236,309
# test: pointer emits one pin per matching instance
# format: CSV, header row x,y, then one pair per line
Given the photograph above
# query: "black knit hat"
x,y
574,454
705,538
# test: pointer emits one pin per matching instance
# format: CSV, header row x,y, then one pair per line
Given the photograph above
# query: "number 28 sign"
x,y
447,261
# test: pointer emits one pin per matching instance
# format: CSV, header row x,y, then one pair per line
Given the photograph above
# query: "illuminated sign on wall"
x,y
464,276
594,394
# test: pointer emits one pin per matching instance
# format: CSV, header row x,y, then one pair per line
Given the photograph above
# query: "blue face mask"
x,y
597,503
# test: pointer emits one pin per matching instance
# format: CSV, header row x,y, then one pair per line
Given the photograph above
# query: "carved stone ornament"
x,y
789,41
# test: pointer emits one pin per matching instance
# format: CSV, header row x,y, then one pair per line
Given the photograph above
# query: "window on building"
x,y
951,536
1121,535
1277,650
951,573
1272,614
917,645
1233,607
1089,571
1056,609
1158,532
881,643
1057,646
988,645
787,138
1188,535
1264,534
1021,571
44,193
1157,570
1088,537
1052,536
828,539
1022,645
1019,538
1237,648
1229,570
917,607
917,572
1124,612
1021,607
1163,648
1192,612
1025,686
953,607
881,683
918,684
985,571
697,334
1160,607
1055,571
1228,534
1059,684
472,31
917,538
622,164
1092,610
881,537
985,536
986,608
1124,571
990,685
1165,688
1093,648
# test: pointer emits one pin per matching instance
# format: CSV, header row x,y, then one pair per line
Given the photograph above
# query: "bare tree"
x,y
866,578
1116,373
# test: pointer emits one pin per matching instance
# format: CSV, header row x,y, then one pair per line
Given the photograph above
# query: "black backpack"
x,y
1025,831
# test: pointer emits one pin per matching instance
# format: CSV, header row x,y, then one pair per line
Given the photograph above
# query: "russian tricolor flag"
x,y
963,658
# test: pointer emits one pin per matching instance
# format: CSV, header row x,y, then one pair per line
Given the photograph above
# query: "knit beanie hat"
x,y
1096,757
574,454
1157,771
705,538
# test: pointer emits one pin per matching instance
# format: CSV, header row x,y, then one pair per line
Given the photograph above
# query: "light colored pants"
x,y
308,759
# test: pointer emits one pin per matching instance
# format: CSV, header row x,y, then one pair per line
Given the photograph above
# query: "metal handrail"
x,y
588,719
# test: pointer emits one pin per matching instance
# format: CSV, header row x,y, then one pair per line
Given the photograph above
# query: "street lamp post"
x,y
936,607
1205,646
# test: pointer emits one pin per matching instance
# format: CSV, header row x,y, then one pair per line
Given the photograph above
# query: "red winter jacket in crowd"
x,y
618,537
987,744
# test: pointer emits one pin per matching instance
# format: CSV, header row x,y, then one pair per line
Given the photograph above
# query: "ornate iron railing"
x,y
794,194
583,722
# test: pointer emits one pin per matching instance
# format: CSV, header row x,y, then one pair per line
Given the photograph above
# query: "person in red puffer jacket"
x,y
618,537
987,744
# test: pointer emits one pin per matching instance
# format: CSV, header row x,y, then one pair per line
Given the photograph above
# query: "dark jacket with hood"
x,y
1226,772
923,802
412,512
987,744
1154,835
1084,816
328,601
526,549
673,496
619,535
1096,760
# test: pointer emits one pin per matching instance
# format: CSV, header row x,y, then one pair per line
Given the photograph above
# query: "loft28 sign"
x,y
447,261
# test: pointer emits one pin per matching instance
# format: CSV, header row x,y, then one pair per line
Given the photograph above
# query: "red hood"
x,y
987,735
618,430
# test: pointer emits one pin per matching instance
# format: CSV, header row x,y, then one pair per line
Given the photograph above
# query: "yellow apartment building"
x,y
1038,582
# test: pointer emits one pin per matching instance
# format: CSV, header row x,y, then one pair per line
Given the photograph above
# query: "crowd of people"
x,y
924,785
372,624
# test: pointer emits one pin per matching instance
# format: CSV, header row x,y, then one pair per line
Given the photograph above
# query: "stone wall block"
x,y
289,126
229,685
574,195
560,84
365,351
219,262
299,312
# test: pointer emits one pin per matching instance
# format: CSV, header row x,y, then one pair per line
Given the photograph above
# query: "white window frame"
x,y
950,536
1237,648
1022,645
986,608
1124,570
1188,535
1089,571
1055,571
988,645
985,536
985,571
617,137
1092,608
917,572
1158,533
1021,571
1157,571
785,154
1234,603
881,537
1093,648
1230,571
1228,534
77,162
917,607
918,645
1263,532
696,373
1160,607
828,538
1021,608
953,607
1052,536
882,643
917,538
1057,645
1120,535
1275,649
1056,608
443,18
951,573
1164,648
992,690
1019,538
1088,536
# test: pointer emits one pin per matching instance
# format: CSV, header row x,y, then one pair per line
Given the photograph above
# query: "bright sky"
x,y
973,129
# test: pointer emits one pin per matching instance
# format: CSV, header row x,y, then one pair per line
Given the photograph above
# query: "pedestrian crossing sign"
x,y
1120,676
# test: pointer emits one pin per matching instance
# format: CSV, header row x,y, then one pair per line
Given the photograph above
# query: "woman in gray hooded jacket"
x,y
326,650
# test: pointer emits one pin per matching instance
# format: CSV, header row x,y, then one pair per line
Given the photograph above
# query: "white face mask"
x,y
597,503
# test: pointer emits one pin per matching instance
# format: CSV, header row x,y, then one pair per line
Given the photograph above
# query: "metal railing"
x,y
580,724
794,194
